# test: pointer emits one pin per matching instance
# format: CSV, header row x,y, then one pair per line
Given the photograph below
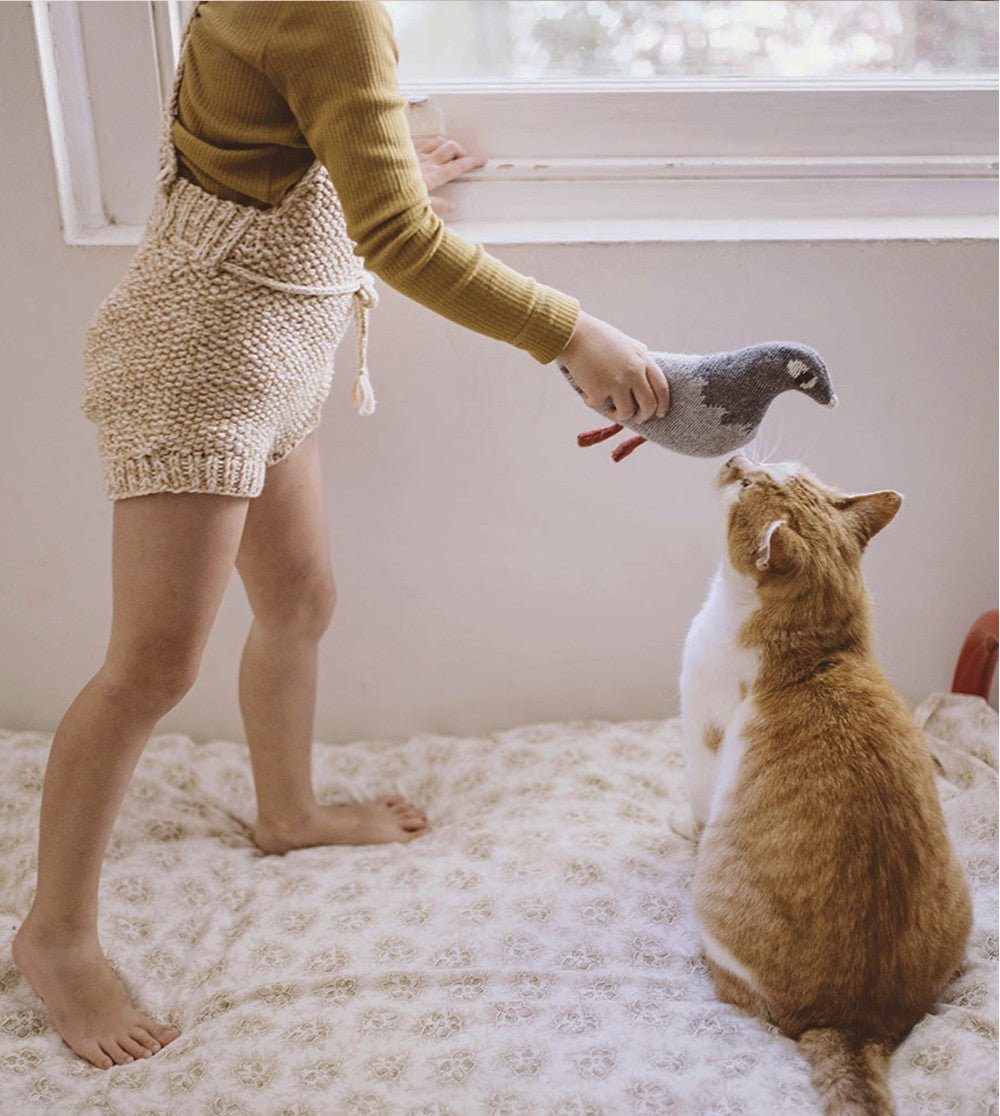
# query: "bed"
x,y
536,954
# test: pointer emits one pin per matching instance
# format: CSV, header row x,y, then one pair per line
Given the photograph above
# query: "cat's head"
x,y
786,528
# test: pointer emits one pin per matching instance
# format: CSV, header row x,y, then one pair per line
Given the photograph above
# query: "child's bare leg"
x,y
172,557
284,561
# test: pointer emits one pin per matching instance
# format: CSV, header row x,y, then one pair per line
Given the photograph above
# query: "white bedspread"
x,y
536,954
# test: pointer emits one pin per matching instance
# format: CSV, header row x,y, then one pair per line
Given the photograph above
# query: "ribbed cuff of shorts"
x,y
213,473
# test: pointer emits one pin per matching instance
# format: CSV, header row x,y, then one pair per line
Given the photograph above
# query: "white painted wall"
x,y
490,572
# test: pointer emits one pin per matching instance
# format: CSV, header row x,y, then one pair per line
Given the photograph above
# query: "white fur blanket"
x,y
536,954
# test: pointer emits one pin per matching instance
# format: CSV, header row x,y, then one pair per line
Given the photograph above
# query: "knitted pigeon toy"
x,y
717,401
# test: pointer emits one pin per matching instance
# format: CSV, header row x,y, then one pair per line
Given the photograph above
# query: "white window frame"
x,y
726,159
80,174
704,159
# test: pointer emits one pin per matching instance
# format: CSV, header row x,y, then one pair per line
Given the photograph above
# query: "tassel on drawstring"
x,y
362,393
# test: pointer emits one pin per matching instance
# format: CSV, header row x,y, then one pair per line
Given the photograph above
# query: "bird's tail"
x,y
851,1075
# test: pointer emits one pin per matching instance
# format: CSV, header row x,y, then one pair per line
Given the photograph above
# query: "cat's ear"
x,y
869,513
775,547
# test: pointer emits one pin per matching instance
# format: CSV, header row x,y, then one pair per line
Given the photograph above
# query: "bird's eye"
x,y
745,482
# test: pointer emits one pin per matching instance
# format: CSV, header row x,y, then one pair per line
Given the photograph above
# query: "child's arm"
x,y
335,65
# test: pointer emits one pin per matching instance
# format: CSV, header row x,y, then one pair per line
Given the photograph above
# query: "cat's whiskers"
x,y
757,452
804,446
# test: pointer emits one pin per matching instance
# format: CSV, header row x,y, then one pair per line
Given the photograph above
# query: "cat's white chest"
x,y
717,673
717,678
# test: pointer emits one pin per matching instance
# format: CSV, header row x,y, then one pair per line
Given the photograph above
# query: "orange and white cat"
x,y
829,897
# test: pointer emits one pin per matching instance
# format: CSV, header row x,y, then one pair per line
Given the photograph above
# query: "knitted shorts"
x,y
212,358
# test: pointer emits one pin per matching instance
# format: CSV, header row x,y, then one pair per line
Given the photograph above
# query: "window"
x,y
614,40
713,118
610,119
106,72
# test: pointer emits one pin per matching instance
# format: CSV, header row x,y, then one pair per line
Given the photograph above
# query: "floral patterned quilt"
x,y
536,954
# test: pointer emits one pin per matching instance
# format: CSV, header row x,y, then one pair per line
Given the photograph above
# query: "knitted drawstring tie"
x,y
365,299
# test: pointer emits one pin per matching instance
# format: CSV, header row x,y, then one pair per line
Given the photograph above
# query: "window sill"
x,y
615,201
616,231
495,233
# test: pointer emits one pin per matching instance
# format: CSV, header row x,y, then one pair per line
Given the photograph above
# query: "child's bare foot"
x,y
86,1002
371,823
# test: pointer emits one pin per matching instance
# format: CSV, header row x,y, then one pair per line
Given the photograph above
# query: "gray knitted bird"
x,y
717,402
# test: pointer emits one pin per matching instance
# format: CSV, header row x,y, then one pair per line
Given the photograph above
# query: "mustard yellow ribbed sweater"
x,y
270,86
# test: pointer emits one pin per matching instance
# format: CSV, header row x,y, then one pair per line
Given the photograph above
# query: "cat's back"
x,y
838,758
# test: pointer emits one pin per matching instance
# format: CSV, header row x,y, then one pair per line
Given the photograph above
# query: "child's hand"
x,y
612,368
441,160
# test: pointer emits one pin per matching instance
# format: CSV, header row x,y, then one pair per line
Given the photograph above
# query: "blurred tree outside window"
x,y
651,40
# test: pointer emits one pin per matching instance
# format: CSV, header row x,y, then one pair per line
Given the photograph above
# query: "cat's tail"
x,y
850,1074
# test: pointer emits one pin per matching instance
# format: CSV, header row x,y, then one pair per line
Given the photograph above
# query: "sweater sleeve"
x,y
335,65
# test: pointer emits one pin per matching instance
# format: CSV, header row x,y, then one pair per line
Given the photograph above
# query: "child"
x,y
207,366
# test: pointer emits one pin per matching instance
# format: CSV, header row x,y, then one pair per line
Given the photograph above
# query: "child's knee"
x,y
303,606
151,680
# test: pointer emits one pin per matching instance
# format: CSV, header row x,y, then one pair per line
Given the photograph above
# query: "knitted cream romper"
x,y
213,356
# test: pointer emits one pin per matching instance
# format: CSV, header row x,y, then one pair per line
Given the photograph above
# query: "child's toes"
x,y
119,1056
134,1047
410,817
144,1038
161,1032
94,1054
